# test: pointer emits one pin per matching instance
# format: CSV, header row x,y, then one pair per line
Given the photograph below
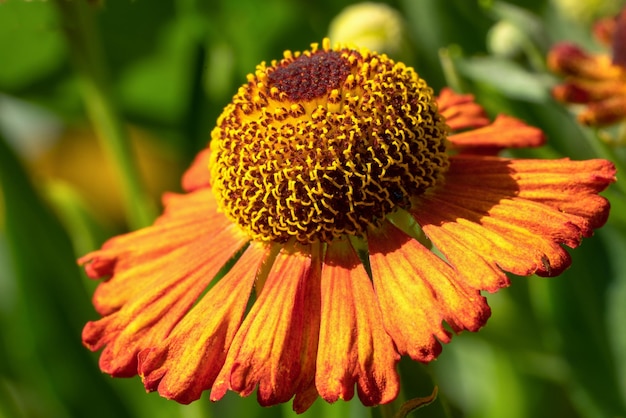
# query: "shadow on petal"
x,y
418,292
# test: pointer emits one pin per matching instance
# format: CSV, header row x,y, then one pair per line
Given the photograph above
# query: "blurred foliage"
x,y
553,347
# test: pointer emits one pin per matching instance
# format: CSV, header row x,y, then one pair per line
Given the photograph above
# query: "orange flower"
x,y
596,80
296,265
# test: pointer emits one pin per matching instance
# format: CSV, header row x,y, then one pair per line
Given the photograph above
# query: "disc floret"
x,y
324,143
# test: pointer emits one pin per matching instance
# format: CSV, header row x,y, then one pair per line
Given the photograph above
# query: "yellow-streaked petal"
x,y
510,246
306,392
417,292
157,275
513,214
197,175
484,273
495,208
267,349
189,359
135,261
354,347
571,187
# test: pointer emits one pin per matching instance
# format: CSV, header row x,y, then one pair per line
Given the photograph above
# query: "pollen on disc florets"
x,y
324,143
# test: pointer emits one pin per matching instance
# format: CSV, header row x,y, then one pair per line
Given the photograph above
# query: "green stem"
x,y
80,27
416,403
446,58
387,410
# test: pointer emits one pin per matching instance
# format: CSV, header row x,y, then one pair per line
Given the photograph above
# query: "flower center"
x,y
310,76
325,143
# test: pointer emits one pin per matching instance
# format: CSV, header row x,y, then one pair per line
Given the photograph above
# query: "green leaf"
x,y
574,312
616,306
523,19
43,330
30,46
437,24
507,77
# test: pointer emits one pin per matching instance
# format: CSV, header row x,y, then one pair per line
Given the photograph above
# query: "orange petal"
x,y
305,397
187,362
267,349
575,90
569,59
460,110
504,132
603,30
157,275
605,112
197,175
509,245
617,44
538,218
490,213
417,292
475,269
136,261
306,392
572,92
354,347
571,187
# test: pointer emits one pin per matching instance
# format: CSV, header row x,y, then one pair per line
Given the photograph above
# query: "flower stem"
x,y
451,74
416,403
80,28
387,410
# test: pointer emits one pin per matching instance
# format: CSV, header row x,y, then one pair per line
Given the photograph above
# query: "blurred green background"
x,y
553,347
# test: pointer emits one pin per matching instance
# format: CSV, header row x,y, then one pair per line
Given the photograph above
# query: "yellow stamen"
x,y
324,143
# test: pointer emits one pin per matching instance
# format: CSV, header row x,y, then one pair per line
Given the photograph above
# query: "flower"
x,y
299,267
376,26
506,39
596,80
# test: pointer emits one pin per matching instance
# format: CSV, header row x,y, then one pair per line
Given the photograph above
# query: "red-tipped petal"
x,y
461,111
197,175
267,349
497,212
354,347
504,132
157,273
187,362
417,292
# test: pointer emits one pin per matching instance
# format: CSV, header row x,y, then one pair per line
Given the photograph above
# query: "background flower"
x,y
595,80
551,348
376,26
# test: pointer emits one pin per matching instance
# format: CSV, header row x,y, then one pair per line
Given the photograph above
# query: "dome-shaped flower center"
x,y
325,143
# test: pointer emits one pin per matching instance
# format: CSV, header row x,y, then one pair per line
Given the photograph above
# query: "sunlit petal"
x,y
418,292
143,301
187,362
505,226
267,349
354,347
